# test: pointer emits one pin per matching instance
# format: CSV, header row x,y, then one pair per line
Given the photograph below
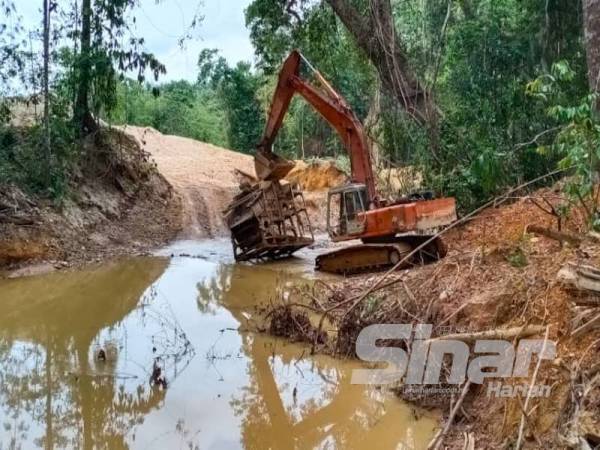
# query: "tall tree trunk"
x,y
375,33
47,143
82,115
591,15
373,128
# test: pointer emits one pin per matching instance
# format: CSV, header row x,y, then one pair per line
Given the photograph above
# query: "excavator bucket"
x,y
269,166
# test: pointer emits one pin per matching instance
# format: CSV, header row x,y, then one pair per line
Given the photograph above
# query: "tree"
x,y
238,91
328,46
48,6
11,61
369,22
211,67
82,115
375,33
591,12
103,25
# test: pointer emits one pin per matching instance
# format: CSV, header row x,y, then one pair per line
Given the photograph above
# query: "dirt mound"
x,y
207,177
202,174
118,203
315,179
316,176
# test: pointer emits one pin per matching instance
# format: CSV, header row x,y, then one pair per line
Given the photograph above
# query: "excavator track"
x,y
369,257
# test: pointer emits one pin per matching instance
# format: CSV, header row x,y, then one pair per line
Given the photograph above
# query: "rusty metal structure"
x,y
268,219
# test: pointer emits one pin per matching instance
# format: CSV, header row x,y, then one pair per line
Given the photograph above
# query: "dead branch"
x,y
591,324
438,439
16,220
501,334
530,390
589,300
583,278
529,424
581,317
496,201
453,314
560,236
535,138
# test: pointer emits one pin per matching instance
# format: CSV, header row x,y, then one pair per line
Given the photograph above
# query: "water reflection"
x,y
50,395
227,387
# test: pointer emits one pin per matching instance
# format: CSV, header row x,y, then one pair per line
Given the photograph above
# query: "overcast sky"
x,y
164,23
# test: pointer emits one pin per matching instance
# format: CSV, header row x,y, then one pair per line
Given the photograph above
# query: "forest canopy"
x,y
478,94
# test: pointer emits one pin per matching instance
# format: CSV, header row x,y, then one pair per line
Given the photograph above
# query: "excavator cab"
x,y
346,206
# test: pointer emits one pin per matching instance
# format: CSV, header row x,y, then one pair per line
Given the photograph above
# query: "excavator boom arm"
x,y
333,108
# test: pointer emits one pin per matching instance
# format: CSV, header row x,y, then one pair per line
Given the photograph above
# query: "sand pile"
x,y
316,176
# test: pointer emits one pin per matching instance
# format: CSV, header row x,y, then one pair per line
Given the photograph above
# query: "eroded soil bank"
x,y
155,187
208,177
117,204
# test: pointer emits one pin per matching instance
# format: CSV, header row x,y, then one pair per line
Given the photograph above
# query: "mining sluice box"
x,y
268,220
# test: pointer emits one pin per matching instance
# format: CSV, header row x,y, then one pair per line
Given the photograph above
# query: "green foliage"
x,y
112,49
517,258
11,57
20,160
495,128
178,108
237,90
476,57
83,78
222,108
211,67
491,52
275,30
577,141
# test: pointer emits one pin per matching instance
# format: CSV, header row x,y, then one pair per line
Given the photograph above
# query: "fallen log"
x,y
588,326
16,220
561,236
499,334
583,278
593,370
581,316
587,300
529,391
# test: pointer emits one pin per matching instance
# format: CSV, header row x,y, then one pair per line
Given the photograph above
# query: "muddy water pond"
x,y
78,350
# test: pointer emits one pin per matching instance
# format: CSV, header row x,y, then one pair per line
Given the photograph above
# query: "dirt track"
x,y
202,174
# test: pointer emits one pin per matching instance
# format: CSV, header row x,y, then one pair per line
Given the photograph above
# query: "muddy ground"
x,y
207,177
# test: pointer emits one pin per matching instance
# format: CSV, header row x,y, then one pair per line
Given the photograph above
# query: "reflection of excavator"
x,y
354,210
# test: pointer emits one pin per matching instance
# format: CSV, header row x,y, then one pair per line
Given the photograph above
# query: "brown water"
x,y
227,388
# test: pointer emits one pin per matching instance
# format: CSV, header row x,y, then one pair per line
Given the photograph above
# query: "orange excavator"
x,y
388,230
